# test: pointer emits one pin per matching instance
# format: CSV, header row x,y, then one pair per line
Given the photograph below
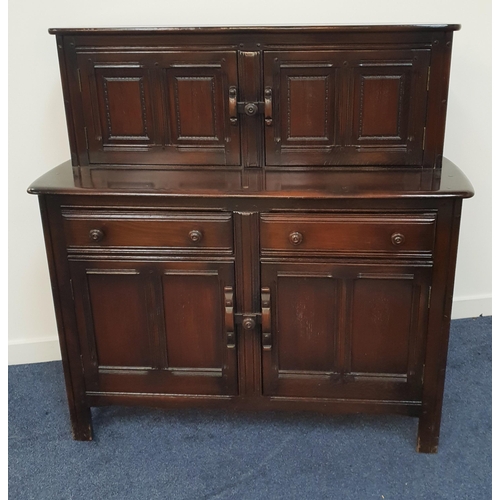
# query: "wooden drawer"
x,y
106,230
348,233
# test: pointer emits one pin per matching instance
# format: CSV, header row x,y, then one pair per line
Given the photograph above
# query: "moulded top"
x,y
150,30
345,182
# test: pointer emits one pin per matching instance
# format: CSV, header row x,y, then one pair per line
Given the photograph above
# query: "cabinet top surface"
x,y
254,29
301,184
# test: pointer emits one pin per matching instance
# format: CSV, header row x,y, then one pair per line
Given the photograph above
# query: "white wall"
x,y
36,110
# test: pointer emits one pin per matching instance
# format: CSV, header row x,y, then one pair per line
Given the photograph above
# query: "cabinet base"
x,y
427,442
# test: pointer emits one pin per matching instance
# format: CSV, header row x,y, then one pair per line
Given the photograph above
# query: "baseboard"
x,y
34,351
472,306
47,349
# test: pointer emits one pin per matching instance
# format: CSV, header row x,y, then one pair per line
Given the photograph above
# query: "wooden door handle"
x,y
266,318
268,106
233,105
229,316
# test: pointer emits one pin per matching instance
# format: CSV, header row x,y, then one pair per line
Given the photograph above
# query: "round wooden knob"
x,y
248,323
96,235
251,109
295,238
195,235
397,239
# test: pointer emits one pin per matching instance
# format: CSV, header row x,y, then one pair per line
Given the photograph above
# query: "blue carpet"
x,y
214,455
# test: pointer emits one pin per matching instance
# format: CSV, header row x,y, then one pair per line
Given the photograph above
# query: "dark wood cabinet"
x,y
255,218
345,330
155,327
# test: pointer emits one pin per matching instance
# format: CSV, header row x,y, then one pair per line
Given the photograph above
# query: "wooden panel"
x,y
153,229
196,328
158,107
126,114
352,107
305,332
196,116
195,94
193,311
155,326
124,105
247,277
305,105
388,112
381,324
381,105
358,234
344,330
250,90
308,108
113,311
119,319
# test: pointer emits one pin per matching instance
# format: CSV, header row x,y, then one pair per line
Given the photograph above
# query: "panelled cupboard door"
x,y
159,107
352,107
344,330
159,327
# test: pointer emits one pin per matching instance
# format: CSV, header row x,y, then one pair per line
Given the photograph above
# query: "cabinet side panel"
x,y
439,78
66,326
67,102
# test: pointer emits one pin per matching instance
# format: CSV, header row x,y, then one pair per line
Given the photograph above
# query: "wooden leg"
x,y
62,293
428,432
439,328
81,424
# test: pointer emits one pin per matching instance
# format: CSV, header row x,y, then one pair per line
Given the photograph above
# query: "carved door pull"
x,y
266,317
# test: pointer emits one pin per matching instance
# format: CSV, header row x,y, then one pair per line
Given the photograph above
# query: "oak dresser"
x,y
255,218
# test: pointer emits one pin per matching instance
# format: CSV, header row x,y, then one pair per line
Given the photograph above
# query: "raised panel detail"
x,y
193,311
118,318
381,111
343,329
388,105
195,91
195,110
124,108
308,108
306,316
382,309
346,107
381,106
158,107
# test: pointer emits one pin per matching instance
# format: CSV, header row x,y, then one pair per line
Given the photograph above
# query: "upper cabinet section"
x,y
356,107
158,107
233,98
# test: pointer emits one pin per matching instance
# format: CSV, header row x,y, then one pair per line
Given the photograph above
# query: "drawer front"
x,y
354,234
108,230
